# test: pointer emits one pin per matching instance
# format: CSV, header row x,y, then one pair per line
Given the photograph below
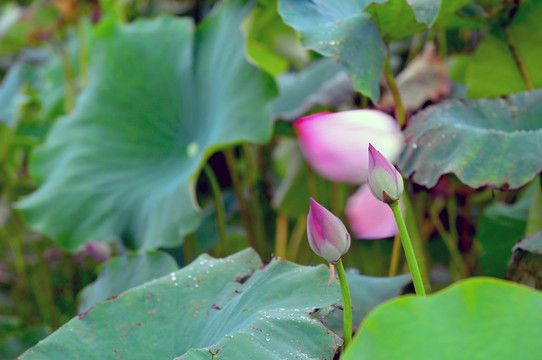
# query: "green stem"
x,y
121,10
281,235
6,145
254,203
449,240
7,138
219,207
347,304
67,267
187,250
14,243
82,48
364,102
417,241
451,208
517,59
394,262
409,250
297,237
442,43
394,89
42,286
237,189
191,248
69,79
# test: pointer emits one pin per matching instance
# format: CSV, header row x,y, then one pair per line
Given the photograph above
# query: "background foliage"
x,y
142,139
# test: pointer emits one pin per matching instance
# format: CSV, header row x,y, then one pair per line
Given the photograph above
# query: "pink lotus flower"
x,y
368,217
327,234
385,181
335,144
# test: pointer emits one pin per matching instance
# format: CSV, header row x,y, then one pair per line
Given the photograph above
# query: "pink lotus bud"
x,y
327,234
385,182
368,217
332,144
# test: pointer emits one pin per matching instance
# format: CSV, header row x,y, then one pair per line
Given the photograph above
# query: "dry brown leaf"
x,y
423,79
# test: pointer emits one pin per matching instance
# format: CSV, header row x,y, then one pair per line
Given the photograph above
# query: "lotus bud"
x,y
332,142
327,234
385,182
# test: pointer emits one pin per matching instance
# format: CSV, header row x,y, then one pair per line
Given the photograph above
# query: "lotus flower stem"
x,y
409,250
297,237
219,208
43,292
251,179
191,248
14,243
448,238
416,239
82,52
237,189
69,78
394,89
328,238
347,304
281,235
520,64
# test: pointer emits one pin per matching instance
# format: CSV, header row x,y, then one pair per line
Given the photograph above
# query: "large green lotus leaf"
x,y
400,19
480,141
271,44
367,292
524,31
161,98
341,29
475,319
396,19
124,272
494,56
233,307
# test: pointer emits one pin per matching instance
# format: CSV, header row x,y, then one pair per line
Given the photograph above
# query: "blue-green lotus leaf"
x,y
124,272
162,96
491,142
341,29
235,308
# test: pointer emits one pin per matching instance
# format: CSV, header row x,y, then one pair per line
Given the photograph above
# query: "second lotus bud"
x,y
327,234
385,181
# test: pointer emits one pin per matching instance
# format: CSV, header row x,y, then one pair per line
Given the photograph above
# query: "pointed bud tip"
x,y
326,233
385,182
